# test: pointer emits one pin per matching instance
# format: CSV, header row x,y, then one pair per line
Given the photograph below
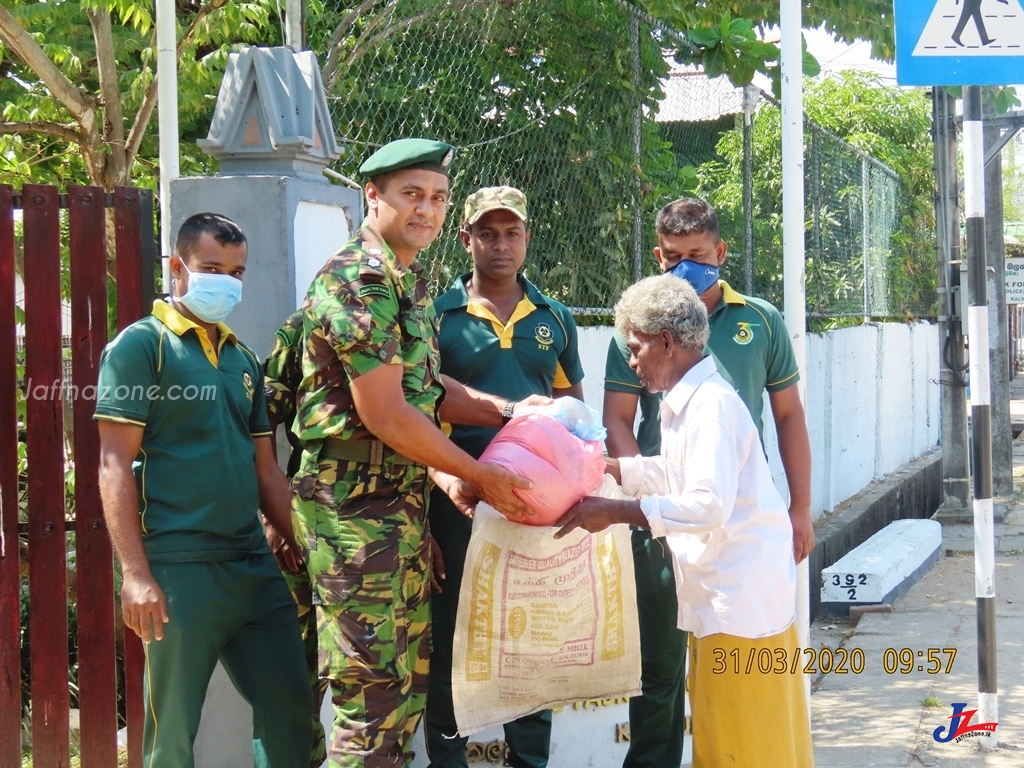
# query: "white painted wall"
x,y
320,230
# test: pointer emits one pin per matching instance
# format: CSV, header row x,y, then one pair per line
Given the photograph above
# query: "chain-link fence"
x,y
573,102
851,209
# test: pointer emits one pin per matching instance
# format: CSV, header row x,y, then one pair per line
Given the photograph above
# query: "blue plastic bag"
x,y
575,415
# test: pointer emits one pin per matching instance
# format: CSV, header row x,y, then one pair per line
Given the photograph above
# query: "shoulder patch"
x,y
375,289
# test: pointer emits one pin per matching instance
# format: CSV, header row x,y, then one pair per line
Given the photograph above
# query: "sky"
x,y
835,57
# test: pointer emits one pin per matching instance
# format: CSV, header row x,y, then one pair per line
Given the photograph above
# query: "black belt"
x,y
364,451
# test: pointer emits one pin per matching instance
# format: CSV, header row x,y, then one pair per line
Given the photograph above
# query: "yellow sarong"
x,y
744,717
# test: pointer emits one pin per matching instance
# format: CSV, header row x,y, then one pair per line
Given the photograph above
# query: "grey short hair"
x,y
664,303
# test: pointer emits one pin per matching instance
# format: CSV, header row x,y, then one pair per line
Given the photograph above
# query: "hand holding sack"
x,y
563,467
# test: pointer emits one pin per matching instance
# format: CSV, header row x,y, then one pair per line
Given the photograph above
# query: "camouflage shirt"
x,y
282,373
363,309
282,370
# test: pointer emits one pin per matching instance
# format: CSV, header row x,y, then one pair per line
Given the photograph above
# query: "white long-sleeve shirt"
x,y
710,495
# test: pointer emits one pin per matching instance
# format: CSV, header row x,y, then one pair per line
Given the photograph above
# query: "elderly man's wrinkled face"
x,y
651,357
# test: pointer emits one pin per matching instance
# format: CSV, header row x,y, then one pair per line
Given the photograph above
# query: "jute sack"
x,y
543,621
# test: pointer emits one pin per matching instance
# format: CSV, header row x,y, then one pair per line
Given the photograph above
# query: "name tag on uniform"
x,y
375,289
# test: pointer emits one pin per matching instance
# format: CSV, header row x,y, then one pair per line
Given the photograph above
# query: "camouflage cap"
x,y
409,153
494,199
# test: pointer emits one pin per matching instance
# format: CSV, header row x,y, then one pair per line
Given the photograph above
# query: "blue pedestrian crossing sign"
x,y
959,42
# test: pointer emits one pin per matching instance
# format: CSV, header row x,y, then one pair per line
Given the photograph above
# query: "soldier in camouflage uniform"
x,y
282,372
368,415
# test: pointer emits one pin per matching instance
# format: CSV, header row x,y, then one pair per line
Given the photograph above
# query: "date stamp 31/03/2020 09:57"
x,y
826,660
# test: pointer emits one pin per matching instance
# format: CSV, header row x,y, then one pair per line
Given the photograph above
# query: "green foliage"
x,y
854,209
541,95
999,99
207,34
846,20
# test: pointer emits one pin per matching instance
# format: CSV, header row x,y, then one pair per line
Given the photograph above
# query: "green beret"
x,y
407,153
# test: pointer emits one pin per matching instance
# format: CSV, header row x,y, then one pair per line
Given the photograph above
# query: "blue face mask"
x,y
700,276
211,297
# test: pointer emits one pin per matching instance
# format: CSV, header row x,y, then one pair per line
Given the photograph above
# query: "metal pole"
x,y
956,486
865,235
999,364
793,237
635,131
294,27
816,195
749,104
981,412
167,99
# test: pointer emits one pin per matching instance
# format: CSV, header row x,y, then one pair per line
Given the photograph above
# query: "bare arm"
x,y
276,505
576,390
795,451
142,601
465,405
382,407
619,415
274,424
595,514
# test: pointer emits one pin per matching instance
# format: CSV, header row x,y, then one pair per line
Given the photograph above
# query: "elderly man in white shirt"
x,y
710,496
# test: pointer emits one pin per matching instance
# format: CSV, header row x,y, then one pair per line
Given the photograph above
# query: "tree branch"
x,y
64,132
110,91
145,112
80,104
364,45
330,68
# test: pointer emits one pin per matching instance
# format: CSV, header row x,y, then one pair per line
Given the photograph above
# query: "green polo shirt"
x,y
199,409
533,353
619,377
752,350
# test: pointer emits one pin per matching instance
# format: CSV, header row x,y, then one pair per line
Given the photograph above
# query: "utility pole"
x,y
999,355
956,483
981,411
295,24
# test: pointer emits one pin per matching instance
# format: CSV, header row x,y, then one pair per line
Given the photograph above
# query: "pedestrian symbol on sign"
x,y
973,28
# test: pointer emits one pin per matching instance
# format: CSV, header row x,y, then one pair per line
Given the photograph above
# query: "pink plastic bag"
x,y
563,468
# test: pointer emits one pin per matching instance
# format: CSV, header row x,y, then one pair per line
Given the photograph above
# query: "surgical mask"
x,y
700,276
211,297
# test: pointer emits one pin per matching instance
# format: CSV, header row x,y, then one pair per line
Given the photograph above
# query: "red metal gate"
x,y
34,511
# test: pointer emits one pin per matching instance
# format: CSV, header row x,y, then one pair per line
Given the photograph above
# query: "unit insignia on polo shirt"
x,y
744,334
545,338
247,383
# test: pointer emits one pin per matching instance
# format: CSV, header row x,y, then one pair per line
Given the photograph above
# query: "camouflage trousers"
x,y
302,592
368,560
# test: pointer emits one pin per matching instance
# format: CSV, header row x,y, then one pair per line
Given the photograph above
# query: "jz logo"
x,y
960,728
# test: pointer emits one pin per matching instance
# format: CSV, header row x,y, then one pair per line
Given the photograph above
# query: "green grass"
x,y
931,701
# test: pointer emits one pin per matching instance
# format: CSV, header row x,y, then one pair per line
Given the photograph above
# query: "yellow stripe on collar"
x,y
730,295
503,332
169,315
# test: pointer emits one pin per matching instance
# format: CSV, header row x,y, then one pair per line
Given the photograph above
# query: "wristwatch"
x,y
506,412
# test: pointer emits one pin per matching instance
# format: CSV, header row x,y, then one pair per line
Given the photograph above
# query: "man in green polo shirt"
x,y
369,406
751,347
498,334
185,465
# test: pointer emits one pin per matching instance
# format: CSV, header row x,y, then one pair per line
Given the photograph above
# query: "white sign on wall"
x,y
1015,280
